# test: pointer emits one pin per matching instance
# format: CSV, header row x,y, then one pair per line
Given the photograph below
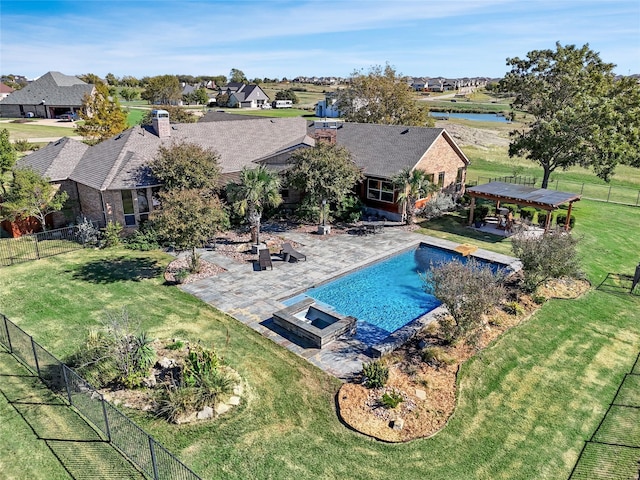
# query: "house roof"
x,y
57,160
54,88
384,150
213,116
121,162
5,88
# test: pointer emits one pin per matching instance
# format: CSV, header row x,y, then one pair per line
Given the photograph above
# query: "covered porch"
x,y
542,198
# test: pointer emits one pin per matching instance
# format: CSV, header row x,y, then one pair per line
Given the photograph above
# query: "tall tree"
x,y
414,184
258,189
324,172
8,156
128,94
237,76
288,94
184,166
102,114
188,219
581,115
163,89
176,115
31,195
111,79
382,96
91,78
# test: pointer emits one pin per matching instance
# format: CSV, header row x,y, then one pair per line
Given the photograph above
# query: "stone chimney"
x,y
326,130
160,122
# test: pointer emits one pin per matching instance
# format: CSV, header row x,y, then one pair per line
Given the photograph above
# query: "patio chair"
x,y
264,259
288,252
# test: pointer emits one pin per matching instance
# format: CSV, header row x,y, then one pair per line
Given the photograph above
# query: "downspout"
x,y
104,208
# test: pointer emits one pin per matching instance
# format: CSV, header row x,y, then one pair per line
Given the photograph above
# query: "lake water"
x,y
478,117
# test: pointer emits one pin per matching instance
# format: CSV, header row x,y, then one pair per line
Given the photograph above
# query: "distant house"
x,y
5,90
247,96
328,108
49,96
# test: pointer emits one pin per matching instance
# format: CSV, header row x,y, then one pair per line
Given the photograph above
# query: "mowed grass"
x,y
23,131
526,403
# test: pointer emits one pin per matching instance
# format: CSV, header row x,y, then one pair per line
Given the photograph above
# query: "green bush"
x,y
349,210
561,220
199,364
512,207
513,308
539,299
181,275
391,399
436,356
111,234
527,213
177,345
542,217
24,146
376,374
172,403
480,212
143,239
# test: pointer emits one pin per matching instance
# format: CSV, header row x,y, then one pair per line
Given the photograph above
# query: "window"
x,y
430,178
127,207
441,179
143,204
380,190
460,179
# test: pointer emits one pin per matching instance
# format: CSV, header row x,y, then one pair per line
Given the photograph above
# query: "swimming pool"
x,y
384,296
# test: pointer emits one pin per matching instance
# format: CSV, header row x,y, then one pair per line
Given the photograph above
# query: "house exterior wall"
x,y
72,208
90,202
442,157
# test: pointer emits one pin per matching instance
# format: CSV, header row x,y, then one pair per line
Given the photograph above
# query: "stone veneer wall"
x,y
442,157
90,203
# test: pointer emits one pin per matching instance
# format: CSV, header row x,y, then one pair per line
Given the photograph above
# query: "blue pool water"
x,y
478,117
384,296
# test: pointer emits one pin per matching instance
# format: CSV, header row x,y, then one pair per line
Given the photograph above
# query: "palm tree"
x,y
258,189
414,185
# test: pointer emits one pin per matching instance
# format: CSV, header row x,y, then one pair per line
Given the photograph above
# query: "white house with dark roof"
x,y
49,96
248,96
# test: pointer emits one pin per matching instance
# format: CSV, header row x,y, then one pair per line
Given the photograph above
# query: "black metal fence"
x,y
39,245
613,451
589,191
140,448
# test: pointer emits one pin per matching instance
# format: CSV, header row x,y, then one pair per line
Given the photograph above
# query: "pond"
x,y
477,117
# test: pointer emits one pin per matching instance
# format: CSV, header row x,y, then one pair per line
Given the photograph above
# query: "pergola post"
x,y
566,225
473,206
547,222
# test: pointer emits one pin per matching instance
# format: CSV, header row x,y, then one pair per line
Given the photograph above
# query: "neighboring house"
x,y
382,151
111,181
49,96
248,96
5,90
328,108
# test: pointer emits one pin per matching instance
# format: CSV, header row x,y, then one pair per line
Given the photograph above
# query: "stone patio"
x,y
252,296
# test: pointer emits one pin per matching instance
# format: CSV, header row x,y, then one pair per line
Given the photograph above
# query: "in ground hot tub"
x,y
312,322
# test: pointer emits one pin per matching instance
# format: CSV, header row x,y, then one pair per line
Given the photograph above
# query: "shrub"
x,y
553,255
512,207
539,299
480,212
172,403
438,205
376,374
177,345
181,275
391,399
199,364
542,217
24,146
349,210
111,235
87,232
527,213
436,357
213,386
468,291
143,239
561,220
513,308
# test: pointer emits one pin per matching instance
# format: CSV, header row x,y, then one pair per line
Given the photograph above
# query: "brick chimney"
x,y
326,130
160,122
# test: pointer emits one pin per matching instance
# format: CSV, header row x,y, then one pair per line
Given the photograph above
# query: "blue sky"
x,y
281,38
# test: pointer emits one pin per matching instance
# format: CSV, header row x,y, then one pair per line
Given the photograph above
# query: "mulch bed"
x,y
361,409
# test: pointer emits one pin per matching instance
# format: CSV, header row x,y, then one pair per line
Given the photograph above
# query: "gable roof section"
x,y
54,88
57,160
384,150
253,91
120,162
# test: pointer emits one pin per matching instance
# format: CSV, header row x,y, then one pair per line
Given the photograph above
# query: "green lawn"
x,y
526,404
20,131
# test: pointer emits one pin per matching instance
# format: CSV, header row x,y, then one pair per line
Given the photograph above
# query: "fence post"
x,y
35,237
35,355
609,194
66,383
153,458
557,180
582,189
638,199
6,329
106,421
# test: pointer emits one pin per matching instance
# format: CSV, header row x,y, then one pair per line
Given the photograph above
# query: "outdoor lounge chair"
x,y
264,259
288,252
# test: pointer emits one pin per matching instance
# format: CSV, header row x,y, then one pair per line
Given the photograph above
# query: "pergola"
x,y
542,198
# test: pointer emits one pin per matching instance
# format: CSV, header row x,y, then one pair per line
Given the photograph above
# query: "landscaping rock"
x,y
421,394
206,412
222,408
238,390
398,424
234,400
165,362
150,381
